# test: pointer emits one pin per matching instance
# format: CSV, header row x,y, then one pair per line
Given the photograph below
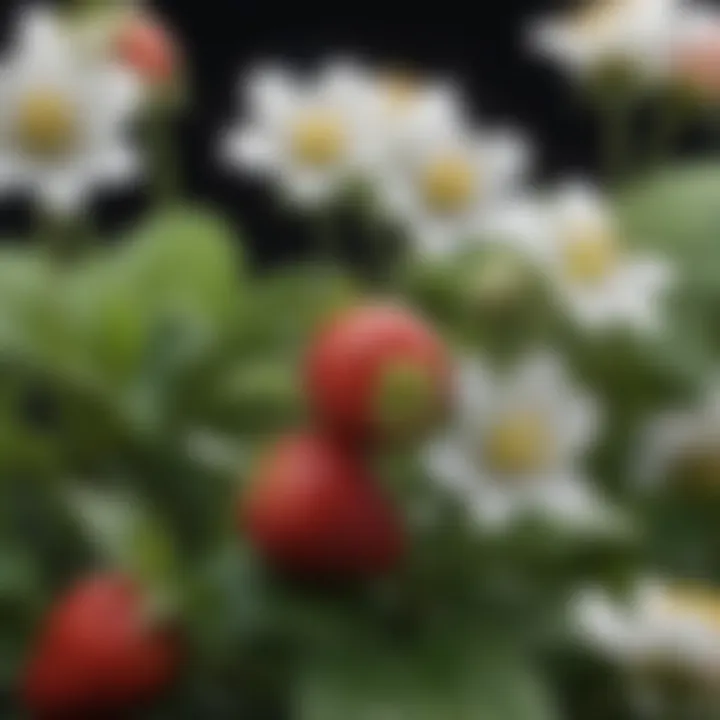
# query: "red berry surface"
x,y
312,510
98,654
378,372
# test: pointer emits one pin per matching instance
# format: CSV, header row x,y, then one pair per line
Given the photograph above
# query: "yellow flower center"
x,y
590,256
518,444
596,15
318,138
449,184
699,602
46,123
399,90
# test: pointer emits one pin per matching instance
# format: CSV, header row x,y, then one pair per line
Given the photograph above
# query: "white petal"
x,y
11,172
64,193
40,36
580,200
493,510
537,382
117,94
440,105
652,274
397,194
578,424
476,389
251,148
593,309
435,134
439,114
309,188
637,291
712,402
507,156
434,240
448,462
569,501
343,80
116,165
607,623
543,369
271,93
521,224
553,38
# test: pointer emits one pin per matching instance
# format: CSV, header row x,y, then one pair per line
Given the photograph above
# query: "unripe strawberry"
x,y
146,46
695,62
312,510
378,373
99,654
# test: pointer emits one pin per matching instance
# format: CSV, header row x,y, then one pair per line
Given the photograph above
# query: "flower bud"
x,y
145,45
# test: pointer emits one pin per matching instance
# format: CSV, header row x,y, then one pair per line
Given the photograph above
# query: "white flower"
x,y
659,627
599,282
451,182
684,442
632,33
310,136
517,444
410,108
62,118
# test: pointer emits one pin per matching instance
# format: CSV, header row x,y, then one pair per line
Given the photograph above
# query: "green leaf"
x,y
227,605
487,297
32,308
676,212
110,315
186,261
128,535
257,395
483,682
289,304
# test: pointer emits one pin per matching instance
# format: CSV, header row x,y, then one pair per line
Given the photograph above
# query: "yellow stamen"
x,y
518,444
699,602
46,123
449,184
318,138
596,15
590,256
399,89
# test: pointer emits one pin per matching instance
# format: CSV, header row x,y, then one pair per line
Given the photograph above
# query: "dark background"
x,y
479,43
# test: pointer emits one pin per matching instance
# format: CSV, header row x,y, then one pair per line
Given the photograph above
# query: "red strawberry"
x,y
146,46
98,655
378,372
312,510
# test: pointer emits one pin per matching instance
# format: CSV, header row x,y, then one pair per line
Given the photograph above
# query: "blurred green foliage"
x,y
163,364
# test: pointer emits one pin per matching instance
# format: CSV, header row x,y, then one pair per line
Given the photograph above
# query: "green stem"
x,y
616,122
163,151
378,238
326,236
671,119
65,238
713,124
